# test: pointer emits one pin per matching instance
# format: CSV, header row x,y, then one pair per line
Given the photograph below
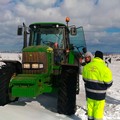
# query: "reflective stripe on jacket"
x,y
97,77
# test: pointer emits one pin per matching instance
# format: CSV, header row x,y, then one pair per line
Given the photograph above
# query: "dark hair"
x,y
99,54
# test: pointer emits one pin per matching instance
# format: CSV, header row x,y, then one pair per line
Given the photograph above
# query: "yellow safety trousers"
x,y
95,109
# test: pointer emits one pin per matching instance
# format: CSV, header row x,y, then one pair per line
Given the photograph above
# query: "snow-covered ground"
x,y
44,106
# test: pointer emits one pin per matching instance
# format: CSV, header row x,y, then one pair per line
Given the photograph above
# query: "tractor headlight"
x,y
26,65
41,66
35,65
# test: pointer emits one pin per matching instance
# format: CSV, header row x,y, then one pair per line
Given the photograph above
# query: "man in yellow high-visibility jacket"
x,y
97,77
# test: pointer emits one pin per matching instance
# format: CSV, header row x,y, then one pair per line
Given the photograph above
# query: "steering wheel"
x,y
49,43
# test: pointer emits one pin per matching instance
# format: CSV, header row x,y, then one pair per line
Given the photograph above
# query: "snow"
x,y
44,106
11,56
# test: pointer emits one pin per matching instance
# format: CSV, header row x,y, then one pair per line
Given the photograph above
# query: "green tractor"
x,y
50,64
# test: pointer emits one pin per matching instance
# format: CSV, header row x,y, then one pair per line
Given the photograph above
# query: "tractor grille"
x,y
35,57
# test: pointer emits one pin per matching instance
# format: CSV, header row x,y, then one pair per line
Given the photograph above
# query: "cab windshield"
x,y
47,36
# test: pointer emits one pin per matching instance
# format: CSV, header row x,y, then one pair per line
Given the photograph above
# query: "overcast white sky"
x,y
99,18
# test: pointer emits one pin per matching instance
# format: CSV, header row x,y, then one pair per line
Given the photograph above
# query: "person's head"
x,y
88,57
99,54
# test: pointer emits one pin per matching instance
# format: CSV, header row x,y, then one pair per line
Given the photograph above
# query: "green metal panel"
x,y
25,85
56,70
50,62
28,91
71,57
38,48
30,85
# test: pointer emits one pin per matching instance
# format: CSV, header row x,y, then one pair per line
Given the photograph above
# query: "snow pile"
x,y
11,56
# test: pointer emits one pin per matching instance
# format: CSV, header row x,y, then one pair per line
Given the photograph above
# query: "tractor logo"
x,y
49,50
30,55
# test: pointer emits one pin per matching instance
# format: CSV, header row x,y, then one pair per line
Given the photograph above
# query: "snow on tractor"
x,y
50,63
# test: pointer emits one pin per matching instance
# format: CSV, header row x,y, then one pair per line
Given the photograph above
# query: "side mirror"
x,y
73,31
19,30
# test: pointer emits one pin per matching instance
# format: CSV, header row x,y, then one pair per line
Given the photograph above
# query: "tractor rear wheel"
x,y
67,91
6,74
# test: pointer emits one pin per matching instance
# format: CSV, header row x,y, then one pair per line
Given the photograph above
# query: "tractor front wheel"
x,y
67,91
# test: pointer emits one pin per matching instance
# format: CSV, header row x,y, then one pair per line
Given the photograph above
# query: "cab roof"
x,y
47,24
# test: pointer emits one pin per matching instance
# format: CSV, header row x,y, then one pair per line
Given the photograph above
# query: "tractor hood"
x,y
41,55
38,48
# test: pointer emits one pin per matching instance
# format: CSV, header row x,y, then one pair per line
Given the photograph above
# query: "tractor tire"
x,y
67,91
2,88
6,74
